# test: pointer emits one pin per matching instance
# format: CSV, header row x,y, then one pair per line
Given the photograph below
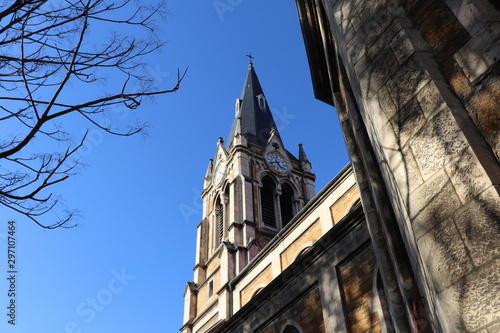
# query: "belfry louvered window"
x,y
286,204
219,211
267,203
221,223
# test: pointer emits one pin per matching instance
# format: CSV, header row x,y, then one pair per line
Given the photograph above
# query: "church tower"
x,y
253,188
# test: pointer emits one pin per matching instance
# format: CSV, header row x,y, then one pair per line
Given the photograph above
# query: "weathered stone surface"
x,y
479,225
439,142
495,328
470,15
407,121
342,10
437,24
405,172
430,98
421,117
357,16
384,101
444,254
427,61
434,201
406,43
306,312
379,71
373,28
481,52
384,40
357,291
407,81
484,109
467,175
473,301
356,51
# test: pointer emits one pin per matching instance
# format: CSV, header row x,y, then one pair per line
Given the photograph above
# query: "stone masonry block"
x,y
380,70
479,225
384,102
470,15
472,302
484,109
467,175
435,95
407,42
481,52
430,65
408,121
362,11
385,143
356,48
407,81
405,172
375,26
430,99
433,202
384,40
375,115
444,255
438,143
342,10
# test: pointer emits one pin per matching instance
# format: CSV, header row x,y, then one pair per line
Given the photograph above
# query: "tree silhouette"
x,y
50,48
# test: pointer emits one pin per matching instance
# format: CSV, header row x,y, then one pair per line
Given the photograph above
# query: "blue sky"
x,y
124,268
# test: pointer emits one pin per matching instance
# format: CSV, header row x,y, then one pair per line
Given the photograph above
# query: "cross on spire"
x,y
249,55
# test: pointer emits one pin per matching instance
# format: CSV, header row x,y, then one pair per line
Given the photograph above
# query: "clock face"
x,y
219,172
277,162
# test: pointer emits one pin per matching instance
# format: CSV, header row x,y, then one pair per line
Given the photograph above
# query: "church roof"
x,y
255,118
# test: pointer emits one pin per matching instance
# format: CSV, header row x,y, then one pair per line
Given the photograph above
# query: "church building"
x,y
406,237
261,221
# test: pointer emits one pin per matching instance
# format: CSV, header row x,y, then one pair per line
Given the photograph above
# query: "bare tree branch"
x,y
46,49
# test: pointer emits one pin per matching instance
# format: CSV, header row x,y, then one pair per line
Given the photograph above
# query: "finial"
x,y
302,154
249,55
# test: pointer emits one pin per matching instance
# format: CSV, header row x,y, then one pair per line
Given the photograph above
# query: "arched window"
x,y
286,204
301,252
219,218
267,203
262,101
257,291
355,204
291,329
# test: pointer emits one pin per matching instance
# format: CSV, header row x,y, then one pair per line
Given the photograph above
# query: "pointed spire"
x,y
238,129
306,165
302,154
256,118
210,169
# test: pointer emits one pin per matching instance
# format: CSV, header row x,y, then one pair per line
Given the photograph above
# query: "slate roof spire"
x,y
256,120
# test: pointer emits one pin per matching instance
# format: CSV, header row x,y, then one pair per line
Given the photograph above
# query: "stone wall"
x,y
309,295
357,276
230,295
305,313
423,78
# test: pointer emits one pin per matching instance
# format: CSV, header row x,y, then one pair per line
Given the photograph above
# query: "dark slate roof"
x,y
256,120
